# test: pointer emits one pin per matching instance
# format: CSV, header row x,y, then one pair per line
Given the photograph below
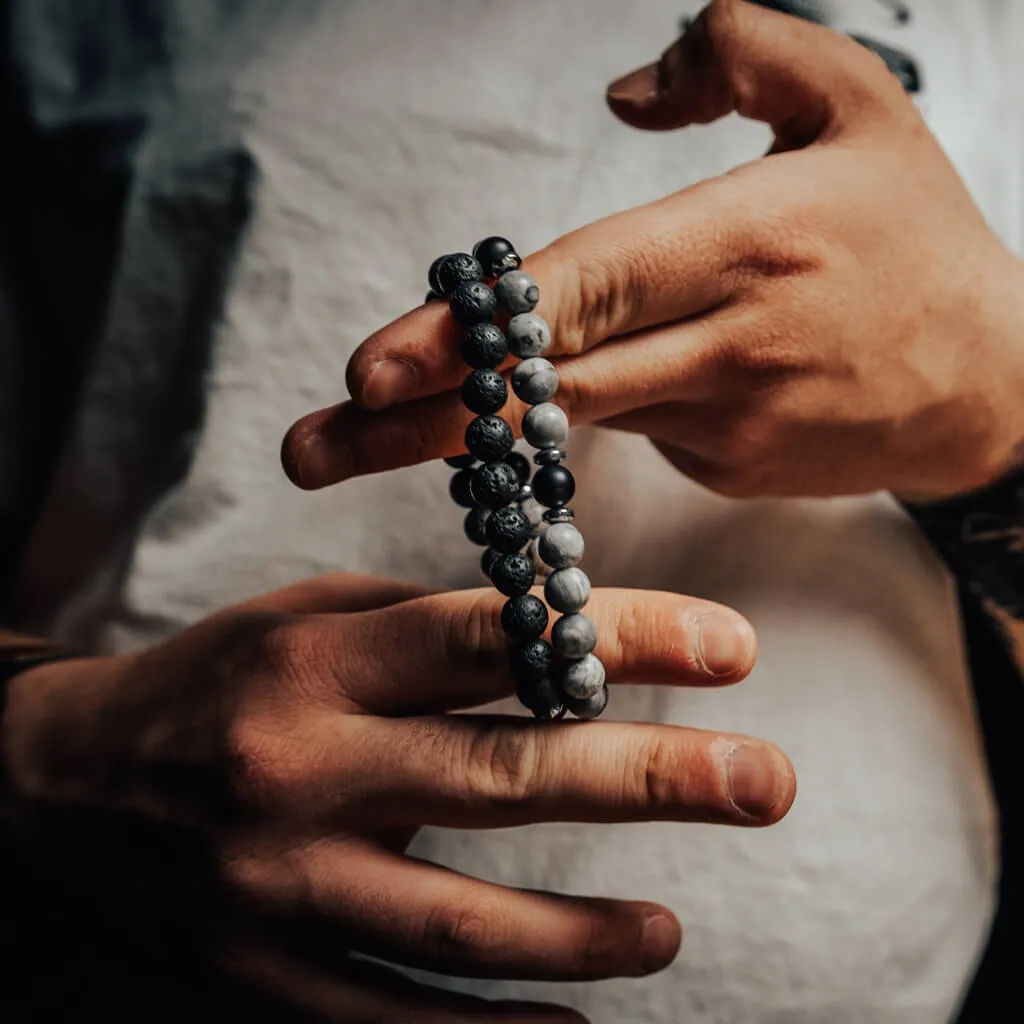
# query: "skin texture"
x,y
295,746
833,318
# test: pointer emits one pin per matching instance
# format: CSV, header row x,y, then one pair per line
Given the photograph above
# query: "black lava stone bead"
x,y
475,525
460,461
553,486
431,297
489,438
484,391
458,488
496,255
513,574
456,269
494,485
524,617
488,560
484,346
472,302
543,699
532,660
508,529
521,464
432,279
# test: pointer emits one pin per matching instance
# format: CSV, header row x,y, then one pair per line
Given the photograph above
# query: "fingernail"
x,y
660,943
389,381
322,461
725,643
752,781
637,88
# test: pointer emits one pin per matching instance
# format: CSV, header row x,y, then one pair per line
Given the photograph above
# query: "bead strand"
x,y
493,482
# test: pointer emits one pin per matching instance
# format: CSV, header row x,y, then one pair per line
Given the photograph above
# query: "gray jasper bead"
x,y
535,380
567,590
583,678
574,636
545,426
592,707
528,335
540,567
560,545
516,292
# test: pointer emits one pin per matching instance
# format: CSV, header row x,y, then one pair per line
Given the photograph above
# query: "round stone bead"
x,y
516,292
484,392
540,567
591,707
561,545
574,636
508,529
535,380
554,486
456,269
431,297
496,255
524,617
543,698
567,590
472,302
460,461
528,335
494,484
432,279
583,678
521,464
545,426
489,438
513,574
487,561
475,525
458,488
484,346
532,661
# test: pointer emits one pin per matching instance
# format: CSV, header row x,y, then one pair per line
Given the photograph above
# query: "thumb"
x,y
803,79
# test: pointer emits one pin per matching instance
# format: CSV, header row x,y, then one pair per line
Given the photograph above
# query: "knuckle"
x,y
264,769
670,776
742,440
502,765
461,932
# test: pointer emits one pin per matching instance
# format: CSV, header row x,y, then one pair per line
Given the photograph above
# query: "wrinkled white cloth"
x,y
372,136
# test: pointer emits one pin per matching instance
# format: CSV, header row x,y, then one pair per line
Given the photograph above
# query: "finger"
x,y
335,593
367,993
804,80
449,650
462,771
410,912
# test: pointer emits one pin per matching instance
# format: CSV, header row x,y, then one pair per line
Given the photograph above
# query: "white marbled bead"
x,y
574,636
516,292
545,426
584,678
567,590
528,335
561,545
590,707
535,380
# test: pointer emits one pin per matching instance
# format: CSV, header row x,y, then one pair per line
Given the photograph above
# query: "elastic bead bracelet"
x,y
493,482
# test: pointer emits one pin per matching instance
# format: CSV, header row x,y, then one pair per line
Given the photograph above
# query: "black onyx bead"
x,y
494,485
521,464
532,661
432,278
475,525
553,486
524,617
496,255
543,699
484,391
489,438
458,488
487,561
508,529
456,269
460,461
484,346
472,302
513,574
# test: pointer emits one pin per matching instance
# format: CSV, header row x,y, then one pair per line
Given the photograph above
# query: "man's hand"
x,y
834,318
300,740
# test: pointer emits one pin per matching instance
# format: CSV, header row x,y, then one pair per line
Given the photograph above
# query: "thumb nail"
x,y
638,88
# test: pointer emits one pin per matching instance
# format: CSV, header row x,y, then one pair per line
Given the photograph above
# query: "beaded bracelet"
x,y
493,482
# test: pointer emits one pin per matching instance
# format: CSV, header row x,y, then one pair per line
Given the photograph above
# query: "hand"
x,y
834,318
299,741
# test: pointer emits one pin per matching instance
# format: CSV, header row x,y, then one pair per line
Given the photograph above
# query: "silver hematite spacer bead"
x,y
550,456
562,514
525,493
